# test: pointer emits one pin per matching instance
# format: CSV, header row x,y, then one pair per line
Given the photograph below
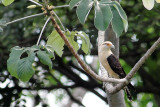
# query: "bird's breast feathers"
x,y
104,62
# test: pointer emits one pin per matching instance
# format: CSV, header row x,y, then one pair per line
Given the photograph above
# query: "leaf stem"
x,y
42,30
59,20
60,6
35,2
35,15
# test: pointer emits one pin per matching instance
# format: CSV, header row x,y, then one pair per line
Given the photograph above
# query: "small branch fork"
x,y
81,62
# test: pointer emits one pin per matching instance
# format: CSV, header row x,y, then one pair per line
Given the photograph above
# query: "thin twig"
x,y
35,15
42,30
136,67
59,20
80,61
35,2
60,6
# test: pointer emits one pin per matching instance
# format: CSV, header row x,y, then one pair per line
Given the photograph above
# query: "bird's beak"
x,y
113,46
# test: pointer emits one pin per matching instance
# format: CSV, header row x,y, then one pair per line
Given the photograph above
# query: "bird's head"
x,y
108,45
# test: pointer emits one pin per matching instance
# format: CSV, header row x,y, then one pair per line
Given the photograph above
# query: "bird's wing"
x,y
116,66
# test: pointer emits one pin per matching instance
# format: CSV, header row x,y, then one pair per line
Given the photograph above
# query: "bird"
x,y
112,65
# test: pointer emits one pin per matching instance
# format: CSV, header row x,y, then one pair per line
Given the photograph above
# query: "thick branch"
x,y
137,66
80,61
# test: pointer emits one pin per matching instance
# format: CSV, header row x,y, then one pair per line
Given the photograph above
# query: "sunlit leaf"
x,y
103,16
122,14
56,42
83,10
7,2
70,37
117,23
86,45
148,4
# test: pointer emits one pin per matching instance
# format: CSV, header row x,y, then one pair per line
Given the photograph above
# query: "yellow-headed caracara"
x,y
112,64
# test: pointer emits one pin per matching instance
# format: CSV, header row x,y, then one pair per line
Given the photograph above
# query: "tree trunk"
x,y
117,99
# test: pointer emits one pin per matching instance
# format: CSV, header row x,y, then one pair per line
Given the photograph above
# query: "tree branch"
x,y
35,15
80,61
35,2
60,6
43,30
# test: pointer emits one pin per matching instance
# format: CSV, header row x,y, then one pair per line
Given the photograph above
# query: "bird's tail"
x,y
128,93
127,90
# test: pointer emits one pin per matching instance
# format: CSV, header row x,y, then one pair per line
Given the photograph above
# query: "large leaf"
x,y
7,2
14,58
86,45
44,58
117,23
122,14
148,4
56,42
25,70
83,10
103,16
70,37
72,3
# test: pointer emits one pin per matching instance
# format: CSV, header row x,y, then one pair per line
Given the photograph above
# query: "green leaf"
x,y
25,70
52,80
117,23
70,37
1,29
2,22
148,4
14,58
44,58
103,16
85,42
7,2
122,14
72,3
56,42
83,10
49,52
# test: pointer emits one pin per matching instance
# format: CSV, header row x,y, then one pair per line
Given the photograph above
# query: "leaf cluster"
x,y
21,60
106,12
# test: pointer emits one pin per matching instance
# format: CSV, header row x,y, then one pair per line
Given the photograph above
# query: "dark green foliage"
x,y
142,23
